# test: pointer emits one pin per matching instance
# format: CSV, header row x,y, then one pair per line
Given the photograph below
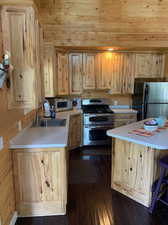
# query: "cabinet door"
x,y
63,78
18,38
40,182
39,64
89,76
104,71
128,73
75,72
75,131
50,83
149,65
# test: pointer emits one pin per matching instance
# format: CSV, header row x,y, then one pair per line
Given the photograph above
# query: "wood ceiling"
x,y
121,23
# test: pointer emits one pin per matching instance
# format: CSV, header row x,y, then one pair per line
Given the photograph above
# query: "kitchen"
x,y
97,50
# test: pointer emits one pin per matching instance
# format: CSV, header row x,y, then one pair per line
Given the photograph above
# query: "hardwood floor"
x,y
91,200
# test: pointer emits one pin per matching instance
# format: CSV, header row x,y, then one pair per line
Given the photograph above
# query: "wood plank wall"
x,y
137,23
8,129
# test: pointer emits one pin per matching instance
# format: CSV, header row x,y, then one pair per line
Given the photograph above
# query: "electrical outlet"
x,y
115,102
19,125
1,145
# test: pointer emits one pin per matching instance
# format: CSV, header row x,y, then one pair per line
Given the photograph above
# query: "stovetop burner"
x,y
97,109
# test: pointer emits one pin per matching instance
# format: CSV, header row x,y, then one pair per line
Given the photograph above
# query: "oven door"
x,y
96,135
98,119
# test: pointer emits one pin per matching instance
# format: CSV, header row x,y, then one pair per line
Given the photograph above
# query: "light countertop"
x,y
122,109
157,141
118,110
44,137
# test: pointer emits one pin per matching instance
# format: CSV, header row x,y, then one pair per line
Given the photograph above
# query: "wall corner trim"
x,y
14,218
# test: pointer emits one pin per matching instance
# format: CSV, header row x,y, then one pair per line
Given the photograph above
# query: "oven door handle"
x,y
103,127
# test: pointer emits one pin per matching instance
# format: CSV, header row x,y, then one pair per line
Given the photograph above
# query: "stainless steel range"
x,y
97,119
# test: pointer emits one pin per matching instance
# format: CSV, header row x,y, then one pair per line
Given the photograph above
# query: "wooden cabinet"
x,y
40,177
121,119
18,28
128,73
149,65
76,72
90,70
134,169
50,79
62,74
75,131
104,71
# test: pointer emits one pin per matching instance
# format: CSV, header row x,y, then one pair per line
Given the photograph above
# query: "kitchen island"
x,y
135,161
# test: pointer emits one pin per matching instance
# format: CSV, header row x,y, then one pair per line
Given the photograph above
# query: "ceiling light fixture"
x,y
110,49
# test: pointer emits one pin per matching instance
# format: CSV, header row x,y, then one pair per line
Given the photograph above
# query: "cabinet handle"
x,y
21,76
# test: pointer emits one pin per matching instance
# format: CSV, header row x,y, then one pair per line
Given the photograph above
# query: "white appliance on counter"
x,y
62,105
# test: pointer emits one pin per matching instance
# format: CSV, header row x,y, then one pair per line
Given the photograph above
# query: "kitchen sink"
x,y
51,123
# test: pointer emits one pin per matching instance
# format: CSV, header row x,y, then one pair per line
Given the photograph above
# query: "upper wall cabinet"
x,y
149,65
127,74
63,75
50,79
18,28
116,72
75,72
104,67
90,71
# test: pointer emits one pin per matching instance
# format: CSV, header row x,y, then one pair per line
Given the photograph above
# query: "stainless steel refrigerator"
x,y
150,99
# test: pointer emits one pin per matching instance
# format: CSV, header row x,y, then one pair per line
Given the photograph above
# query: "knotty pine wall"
x,y
8,129
133,23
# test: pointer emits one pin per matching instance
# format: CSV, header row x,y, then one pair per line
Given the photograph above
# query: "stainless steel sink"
x,y
51,123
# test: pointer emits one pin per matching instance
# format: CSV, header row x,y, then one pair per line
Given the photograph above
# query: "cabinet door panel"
x,y
40,182
89,78
63,78
104,72
128,73
50,83
75,133
75,72
149,65
19,39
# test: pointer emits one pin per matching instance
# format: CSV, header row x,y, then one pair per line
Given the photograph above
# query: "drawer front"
x,y
125,116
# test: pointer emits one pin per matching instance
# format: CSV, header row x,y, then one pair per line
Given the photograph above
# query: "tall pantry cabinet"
x,y
20,29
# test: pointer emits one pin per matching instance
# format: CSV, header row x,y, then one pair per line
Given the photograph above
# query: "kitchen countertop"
x,y
118,110
44,137
122,109
157,141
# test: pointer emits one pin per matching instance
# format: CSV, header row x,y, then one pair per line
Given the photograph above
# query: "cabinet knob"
x,y
21,76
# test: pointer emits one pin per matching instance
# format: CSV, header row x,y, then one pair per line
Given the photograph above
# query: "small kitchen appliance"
x,y
62,105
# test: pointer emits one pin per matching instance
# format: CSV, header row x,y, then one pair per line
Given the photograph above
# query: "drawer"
x,y
125,116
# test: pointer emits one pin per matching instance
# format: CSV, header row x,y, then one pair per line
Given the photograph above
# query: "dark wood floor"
x,y
91,200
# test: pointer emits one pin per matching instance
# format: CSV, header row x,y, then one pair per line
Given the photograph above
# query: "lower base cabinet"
x,y
122,119
75,131
40,177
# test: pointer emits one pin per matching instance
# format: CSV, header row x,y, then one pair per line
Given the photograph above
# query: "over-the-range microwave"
x,y
63,105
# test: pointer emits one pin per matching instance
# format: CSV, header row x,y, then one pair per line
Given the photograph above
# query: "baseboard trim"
x,y
14,218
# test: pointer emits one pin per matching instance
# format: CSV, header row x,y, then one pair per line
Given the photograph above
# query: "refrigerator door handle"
x,y
146,96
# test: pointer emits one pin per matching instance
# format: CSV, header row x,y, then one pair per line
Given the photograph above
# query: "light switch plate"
x,y
1,143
